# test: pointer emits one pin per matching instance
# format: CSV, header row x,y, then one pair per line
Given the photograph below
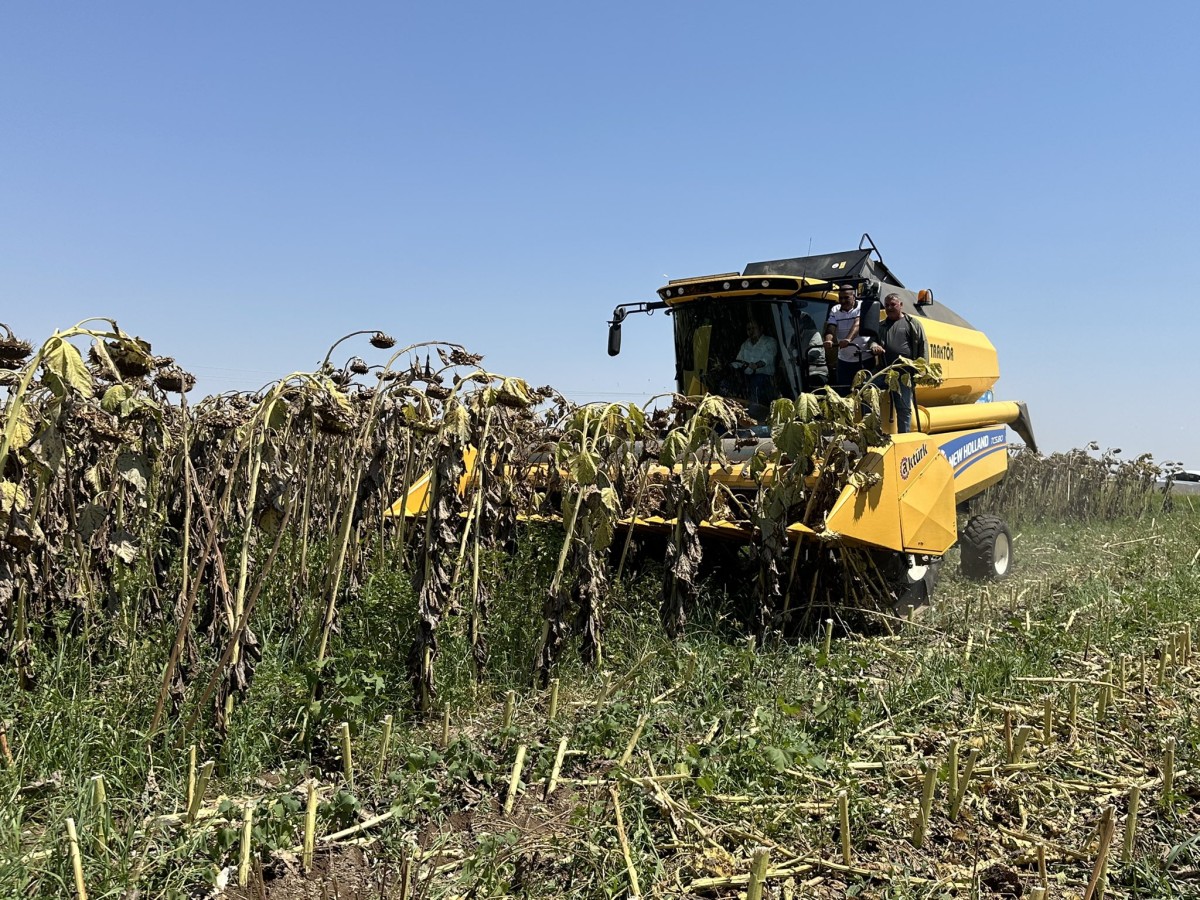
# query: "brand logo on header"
x,y
972,447
909,463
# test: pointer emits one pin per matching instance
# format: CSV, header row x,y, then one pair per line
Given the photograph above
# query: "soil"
x,y
341,873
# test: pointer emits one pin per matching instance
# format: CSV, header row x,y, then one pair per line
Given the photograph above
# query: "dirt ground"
x,y
342,873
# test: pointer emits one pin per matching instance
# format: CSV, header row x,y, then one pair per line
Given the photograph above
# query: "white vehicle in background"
x,y
1181,481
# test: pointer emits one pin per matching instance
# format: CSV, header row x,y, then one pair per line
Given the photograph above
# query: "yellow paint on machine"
x,y
970,366
961,416
910,507
416,500
920,483
981,469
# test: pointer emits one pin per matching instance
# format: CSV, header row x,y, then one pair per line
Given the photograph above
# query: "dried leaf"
x,y
63,368
122,545
12,496
134,470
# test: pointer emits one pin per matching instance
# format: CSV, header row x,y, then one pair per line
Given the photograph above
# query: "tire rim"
x,y
1000,554
916,571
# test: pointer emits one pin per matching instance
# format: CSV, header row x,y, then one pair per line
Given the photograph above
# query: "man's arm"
x,y
853,333
741,356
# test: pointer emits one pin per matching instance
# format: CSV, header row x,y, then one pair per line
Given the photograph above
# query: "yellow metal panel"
x,y
870,516
416,501
911,508
978,457
961,416
927,515
969,363
692,384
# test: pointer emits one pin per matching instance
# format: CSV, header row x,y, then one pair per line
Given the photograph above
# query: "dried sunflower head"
x,y
101,373
463,358
221,419
511,399
14,350
358,367
382,341
131,357
102,425
175,380
333,422
436,391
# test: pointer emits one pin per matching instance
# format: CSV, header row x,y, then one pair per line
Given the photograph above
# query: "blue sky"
x,y
241,184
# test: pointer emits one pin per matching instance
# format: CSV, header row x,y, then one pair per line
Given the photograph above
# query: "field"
x,y
227,673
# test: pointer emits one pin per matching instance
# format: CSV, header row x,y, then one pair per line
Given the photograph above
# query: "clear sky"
x,y
242,183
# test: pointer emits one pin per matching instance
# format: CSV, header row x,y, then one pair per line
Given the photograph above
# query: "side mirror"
x,y
614,338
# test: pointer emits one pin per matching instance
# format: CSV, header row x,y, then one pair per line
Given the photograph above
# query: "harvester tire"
x,y
986,545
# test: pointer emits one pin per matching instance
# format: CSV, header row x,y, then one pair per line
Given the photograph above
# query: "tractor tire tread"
x,y
977,541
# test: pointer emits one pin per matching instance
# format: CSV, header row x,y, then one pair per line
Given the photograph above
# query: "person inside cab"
x,y
810,353
755,363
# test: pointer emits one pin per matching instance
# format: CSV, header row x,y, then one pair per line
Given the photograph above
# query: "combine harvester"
x,y
908,511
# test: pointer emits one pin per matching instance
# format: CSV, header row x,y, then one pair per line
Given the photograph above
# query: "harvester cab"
x,y
790,300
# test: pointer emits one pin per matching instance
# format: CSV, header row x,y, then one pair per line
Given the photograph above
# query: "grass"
x,y
739,747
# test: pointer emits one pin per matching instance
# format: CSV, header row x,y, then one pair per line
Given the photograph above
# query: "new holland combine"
x,y
903,497
920,482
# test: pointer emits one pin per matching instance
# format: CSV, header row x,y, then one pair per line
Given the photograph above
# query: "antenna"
x,y
804,274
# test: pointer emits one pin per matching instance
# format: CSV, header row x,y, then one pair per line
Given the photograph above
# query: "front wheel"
x,y
986,549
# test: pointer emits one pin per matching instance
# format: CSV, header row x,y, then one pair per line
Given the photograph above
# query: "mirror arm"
x,y
624,309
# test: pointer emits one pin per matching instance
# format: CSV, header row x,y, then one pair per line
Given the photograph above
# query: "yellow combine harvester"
x,y
958,447
906,512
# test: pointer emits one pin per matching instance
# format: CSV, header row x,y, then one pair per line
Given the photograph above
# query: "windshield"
x,y
753,350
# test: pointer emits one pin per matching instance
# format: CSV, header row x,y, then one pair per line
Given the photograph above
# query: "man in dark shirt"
x,y
899,335
810,354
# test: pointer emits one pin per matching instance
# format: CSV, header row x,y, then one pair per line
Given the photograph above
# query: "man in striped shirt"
x,y
842,326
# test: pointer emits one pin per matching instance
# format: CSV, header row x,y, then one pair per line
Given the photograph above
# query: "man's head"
x,y
848,295
754,330
893,306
